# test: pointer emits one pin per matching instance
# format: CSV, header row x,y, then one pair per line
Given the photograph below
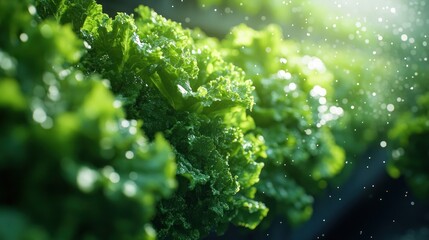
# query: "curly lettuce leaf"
x,y
292,112
188,93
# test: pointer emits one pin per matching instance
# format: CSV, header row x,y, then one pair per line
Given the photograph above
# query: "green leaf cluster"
x,y
247,119
190,94
293,111
373,67
72,165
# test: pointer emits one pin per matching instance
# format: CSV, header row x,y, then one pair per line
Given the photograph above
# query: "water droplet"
x,y
114,177
64,73
86,44
86,178
39,115
318,91
117,104
125,123
32,9
129,188
132,130
390,107
291,87
53,93
314,63
79,76
129,154
23,37
284,75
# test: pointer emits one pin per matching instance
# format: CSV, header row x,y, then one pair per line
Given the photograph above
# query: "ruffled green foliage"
x,y
343,44
191,95
292,113
411,156
72,166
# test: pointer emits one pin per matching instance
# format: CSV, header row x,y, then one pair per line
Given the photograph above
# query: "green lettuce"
x,y
72,165
190,94
293,112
